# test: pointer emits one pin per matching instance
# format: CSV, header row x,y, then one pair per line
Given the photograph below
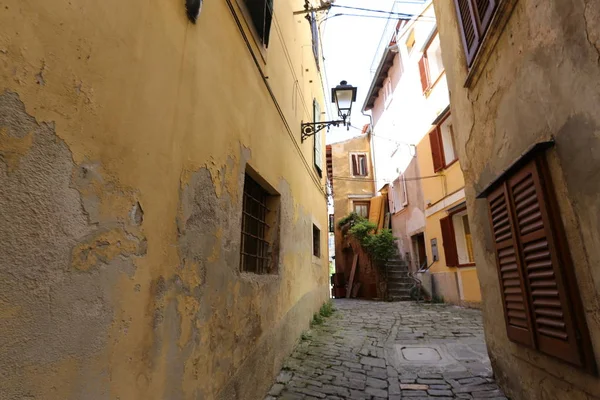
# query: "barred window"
x,y
257,228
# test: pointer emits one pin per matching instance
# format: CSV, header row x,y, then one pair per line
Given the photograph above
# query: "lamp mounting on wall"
x,y
343,95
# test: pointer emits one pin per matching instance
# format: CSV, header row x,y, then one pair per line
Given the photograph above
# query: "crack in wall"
x,y
596,45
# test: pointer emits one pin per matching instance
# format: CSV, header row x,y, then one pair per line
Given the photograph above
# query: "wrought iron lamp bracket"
x,y
310,128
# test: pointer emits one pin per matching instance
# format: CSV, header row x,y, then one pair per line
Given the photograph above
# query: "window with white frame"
x,y
358,162
387,92
447,133
399,196
464,242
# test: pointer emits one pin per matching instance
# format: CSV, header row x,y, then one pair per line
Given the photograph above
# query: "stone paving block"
x,y
284,376
376,383
276,389
335,390
357,384
378,373
472,381
355,375
480,388
431,381
374,362
359,395
487,394
413,393
440,393
457,375
312,391
438,387
430,376
376,392
412,386
291,396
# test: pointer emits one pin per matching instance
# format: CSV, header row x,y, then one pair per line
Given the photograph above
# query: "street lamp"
x,y
343,95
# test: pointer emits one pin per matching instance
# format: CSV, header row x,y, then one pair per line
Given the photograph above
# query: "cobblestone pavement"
x,y
374,350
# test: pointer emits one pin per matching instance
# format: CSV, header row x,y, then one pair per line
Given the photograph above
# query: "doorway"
x,y
418,243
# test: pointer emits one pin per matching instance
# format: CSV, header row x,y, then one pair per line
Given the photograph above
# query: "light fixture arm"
x,y
310,128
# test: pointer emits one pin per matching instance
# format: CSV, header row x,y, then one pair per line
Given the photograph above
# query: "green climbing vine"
x,y
380,245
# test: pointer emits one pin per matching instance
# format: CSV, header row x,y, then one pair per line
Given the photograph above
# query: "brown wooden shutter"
x,y
449,241
549,296
485,11
423,70
510,270
437,153
354,165
468,28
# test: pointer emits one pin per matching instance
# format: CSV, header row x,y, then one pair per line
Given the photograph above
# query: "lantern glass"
x,y
343,95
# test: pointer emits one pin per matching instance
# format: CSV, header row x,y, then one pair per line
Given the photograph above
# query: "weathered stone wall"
x,y
125,133
541,80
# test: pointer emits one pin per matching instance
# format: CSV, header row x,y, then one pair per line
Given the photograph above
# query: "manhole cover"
x,y
420,354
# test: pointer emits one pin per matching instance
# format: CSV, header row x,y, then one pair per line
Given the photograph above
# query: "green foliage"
x,y
317,320
379,245
350,218
326,309
361,230
331,268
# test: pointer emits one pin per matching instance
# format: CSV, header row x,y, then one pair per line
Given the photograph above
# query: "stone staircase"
x,y
398,281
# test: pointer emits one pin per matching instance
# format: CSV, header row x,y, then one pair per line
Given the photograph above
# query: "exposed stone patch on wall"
x,y
57,269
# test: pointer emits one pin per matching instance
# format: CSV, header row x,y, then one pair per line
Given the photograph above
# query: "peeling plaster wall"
x,y
125,132
542,79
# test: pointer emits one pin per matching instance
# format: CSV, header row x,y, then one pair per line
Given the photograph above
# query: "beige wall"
x,y
125,132
541,80
346,188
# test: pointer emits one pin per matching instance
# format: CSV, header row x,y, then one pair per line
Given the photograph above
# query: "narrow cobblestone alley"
x,y
375,350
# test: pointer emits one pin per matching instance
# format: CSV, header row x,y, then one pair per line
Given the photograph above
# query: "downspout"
x,y
372,148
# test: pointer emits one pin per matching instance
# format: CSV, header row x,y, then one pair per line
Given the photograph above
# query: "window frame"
x,y
436,140
427,83
269,233
316,241
399,203
449,238
256,37
481,25
352,170
362,203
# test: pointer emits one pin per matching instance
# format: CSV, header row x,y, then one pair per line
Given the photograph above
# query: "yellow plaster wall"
x,y
445,183
343,188
134,110
448,180
470,285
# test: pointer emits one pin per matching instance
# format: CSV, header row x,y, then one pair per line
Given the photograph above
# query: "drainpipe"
x,y
372,148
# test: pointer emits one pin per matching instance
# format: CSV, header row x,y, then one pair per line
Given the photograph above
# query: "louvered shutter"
x,y
510,271
354,165
550,300
423,70
485,11
468,28
449,241
435,140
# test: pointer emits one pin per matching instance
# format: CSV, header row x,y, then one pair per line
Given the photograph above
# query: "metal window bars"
x,y
254,247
